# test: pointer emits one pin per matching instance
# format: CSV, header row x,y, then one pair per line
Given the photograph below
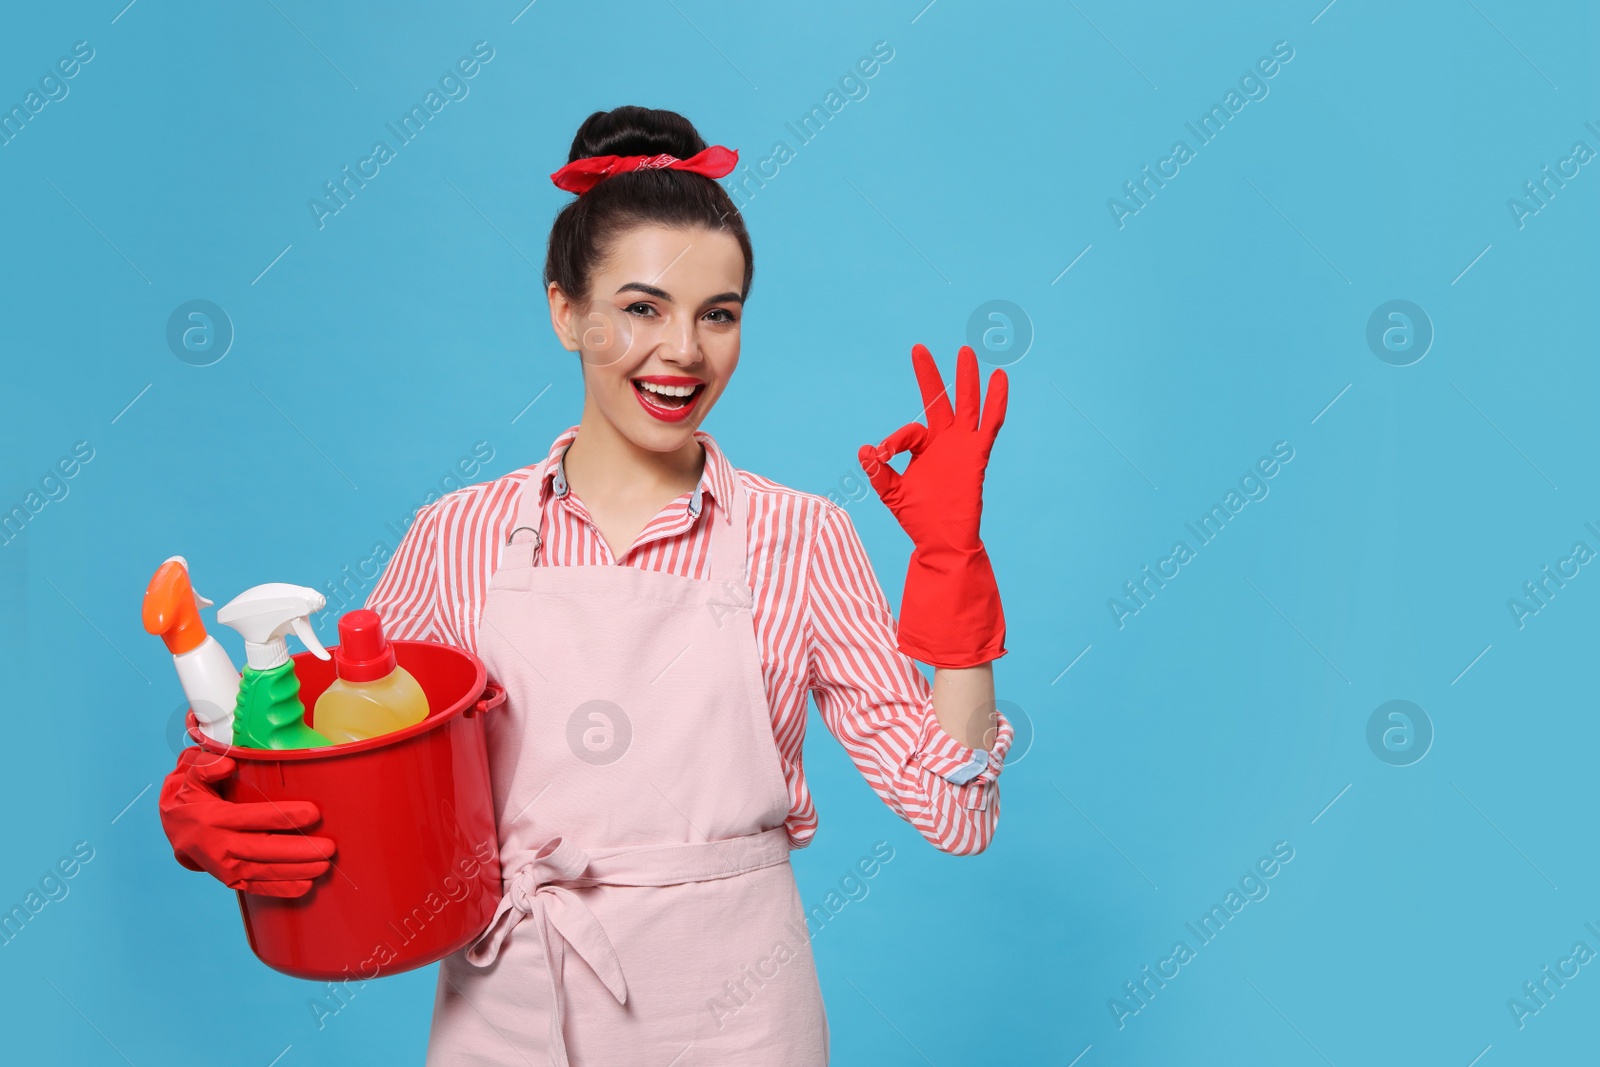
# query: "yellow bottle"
x,y
372,695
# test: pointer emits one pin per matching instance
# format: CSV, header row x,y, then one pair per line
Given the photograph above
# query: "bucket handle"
x,y
494,694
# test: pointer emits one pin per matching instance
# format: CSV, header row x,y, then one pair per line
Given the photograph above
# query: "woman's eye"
x,y
727,316
639,309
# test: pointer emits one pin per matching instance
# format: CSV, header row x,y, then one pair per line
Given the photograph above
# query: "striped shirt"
x,y
822,624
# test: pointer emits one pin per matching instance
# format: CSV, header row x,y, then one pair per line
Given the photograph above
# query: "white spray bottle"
x,y
172,610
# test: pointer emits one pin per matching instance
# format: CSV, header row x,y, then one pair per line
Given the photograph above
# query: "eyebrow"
x,y
662,294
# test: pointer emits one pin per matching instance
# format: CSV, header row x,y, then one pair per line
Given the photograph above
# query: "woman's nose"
x,y
680,343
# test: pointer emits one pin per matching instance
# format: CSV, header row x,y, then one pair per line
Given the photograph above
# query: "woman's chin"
x,y
656,436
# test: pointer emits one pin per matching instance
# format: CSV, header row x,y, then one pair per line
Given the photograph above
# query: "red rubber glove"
x,y
242,845
950,614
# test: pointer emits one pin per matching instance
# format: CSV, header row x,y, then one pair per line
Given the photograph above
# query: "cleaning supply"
x,y
209,679
412,815
269,713
372,695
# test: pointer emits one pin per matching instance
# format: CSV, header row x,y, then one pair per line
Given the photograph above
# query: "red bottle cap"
x,y
364,654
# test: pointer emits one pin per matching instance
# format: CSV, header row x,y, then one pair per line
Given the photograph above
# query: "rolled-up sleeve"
x,y
873,698
407,596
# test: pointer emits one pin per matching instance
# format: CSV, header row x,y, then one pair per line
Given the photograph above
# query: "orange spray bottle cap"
x,y
172,607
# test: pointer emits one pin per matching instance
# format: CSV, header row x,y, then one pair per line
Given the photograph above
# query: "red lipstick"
x,y
667,409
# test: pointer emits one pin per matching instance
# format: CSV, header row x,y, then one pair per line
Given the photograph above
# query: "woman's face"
x,y
660,338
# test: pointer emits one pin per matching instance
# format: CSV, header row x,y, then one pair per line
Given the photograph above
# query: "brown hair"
x,y
586,228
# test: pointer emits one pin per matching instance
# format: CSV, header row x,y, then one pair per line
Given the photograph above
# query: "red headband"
x,y
581,175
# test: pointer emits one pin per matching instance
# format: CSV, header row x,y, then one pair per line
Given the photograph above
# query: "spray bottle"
x,y
172,609
269,713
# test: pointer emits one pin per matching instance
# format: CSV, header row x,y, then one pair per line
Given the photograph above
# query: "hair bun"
x,y
587,227
636,131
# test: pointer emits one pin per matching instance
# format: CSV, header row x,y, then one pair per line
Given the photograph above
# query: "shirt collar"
x,y
716,479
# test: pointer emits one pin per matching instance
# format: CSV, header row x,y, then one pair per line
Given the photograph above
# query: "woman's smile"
x,y
668,397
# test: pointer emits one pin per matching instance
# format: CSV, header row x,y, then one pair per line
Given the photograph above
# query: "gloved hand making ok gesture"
x,y
950,614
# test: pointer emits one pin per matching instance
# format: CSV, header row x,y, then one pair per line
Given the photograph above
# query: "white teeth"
x,y
667,390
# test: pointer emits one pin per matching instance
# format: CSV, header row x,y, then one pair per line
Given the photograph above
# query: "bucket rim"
x,y
483,691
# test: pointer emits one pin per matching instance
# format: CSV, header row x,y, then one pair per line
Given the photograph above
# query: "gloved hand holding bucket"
x,y
255,848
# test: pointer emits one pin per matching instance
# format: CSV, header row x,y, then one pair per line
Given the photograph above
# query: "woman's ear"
x,y
563,316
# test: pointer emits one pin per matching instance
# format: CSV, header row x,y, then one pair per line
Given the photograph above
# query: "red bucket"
x,y
416,869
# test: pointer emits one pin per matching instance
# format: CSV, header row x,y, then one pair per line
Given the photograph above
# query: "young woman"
x,y
658,618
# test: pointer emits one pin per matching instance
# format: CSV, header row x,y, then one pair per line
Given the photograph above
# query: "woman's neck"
x,y
604,467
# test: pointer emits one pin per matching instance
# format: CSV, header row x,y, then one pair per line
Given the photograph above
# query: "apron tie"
x,y
542,889
563,920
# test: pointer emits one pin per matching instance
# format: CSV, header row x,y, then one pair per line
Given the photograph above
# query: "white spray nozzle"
x,y
266,614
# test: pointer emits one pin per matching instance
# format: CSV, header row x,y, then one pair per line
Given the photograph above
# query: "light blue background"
x,y
1223,317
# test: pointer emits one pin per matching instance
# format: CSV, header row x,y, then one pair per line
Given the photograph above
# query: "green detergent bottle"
x,y
269,712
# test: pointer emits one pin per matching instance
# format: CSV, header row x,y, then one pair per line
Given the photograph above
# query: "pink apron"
x,y
650,915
